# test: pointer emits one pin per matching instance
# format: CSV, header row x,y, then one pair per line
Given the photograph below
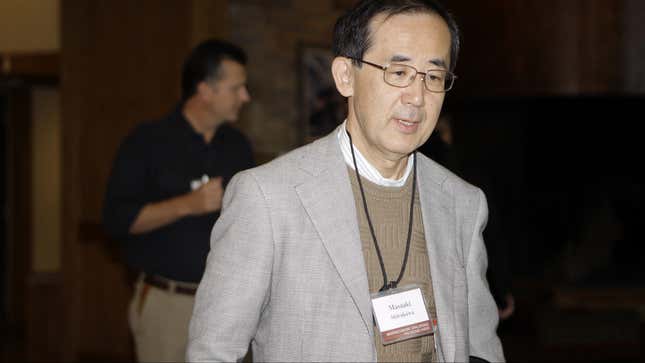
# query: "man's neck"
x,y
198,119
389,166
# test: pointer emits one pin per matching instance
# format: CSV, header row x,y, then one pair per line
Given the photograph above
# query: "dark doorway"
x,y
15,228
3,205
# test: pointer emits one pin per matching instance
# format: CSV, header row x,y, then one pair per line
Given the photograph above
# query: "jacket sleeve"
x,y
235,287
482,311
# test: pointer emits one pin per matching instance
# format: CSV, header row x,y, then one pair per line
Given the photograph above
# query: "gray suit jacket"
x,y
286,270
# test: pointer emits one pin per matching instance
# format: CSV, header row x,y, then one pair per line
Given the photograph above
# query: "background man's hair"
x,y
352,36
203,64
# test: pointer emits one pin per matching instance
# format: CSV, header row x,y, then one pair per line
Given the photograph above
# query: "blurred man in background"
x,y
165,193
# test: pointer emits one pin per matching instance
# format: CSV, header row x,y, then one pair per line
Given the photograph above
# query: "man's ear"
x,y
343,72
204,90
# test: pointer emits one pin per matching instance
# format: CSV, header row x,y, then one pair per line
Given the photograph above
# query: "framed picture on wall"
x,y
321,107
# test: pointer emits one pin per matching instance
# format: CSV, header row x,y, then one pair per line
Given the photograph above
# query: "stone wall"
x,y
271,33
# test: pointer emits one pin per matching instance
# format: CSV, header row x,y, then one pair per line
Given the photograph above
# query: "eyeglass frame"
x,y
424,74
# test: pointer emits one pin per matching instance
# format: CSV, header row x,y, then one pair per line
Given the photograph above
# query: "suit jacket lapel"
x,y
439,224
328,199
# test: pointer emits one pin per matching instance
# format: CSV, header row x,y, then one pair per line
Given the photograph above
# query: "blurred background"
x,y
544,118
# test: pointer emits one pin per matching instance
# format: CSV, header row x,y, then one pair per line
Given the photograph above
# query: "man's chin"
x,y
404,148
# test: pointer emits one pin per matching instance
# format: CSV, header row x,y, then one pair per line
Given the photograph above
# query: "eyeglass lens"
x,y
401,75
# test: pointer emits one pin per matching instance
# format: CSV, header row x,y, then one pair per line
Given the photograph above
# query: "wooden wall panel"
x,y
210,19
600,49
533,47
33,67
121,64
134,72
44,325
76,43
633,72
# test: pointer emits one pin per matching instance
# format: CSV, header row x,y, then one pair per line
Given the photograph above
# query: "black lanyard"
x,y
391,284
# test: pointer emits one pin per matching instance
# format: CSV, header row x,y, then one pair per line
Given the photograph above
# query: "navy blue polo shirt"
x,y
157,161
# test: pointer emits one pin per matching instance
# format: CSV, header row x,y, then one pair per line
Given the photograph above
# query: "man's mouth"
x,y
406,122
407,126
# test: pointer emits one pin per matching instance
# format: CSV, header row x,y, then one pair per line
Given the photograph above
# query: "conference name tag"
x,y
401,314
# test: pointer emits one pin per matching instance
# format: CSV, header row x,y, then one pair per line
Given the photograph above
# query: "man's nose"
x,y
415,92
245,96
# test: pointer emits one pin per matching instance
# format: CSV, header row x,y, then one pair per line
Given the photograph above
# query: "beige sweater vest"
x,y
389,210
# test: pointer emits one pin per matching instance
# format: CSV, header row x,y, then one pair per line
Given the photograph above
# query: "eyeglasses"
x,y
402,75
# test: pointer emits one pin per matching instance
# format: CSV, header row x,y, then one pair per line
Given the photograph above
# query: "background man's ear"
x,y
343,73
203,89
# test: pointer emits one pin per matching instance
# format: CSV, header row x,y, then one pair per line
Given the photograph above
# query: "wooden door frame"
x,y
18,241
27,292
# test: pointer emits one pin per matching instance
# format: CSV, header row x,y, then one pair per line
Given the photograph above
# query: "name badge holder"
x,y
401,314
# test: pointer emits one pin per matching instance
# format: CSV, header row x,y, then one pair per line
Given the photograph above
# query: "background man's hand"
x,y
506,312
207,198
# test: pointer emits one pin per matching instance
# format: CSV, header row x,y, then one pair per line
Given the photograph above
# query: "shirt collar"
x,y
366,169
185,127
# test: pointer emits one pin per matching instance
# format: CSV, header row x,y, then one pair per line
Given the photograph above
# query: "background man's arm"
x,y
206,199
127,209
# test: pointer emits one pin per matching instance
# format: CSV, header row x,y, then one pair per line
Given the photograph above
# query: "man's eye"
x,y
435,77
398,72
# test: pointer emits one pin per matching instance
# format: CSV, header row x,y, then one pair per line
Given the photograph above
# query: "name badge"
x,y
401,314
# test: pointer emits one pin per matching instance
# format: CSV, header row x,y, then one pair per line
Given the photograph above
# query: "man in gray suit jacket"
x,y
301,254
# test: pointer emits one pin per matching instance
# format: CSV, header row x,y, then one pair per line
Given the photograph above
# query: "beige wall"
x,y
29,25
46,179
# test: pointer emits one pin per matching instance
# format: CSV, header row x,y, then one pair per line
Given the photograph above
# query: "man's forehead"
x,y
401,58
398,38
381,19
231,64
231,68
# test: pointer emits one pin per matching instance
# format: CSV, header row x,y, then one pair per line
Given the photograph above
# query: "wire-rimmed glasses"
x,y
402,75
